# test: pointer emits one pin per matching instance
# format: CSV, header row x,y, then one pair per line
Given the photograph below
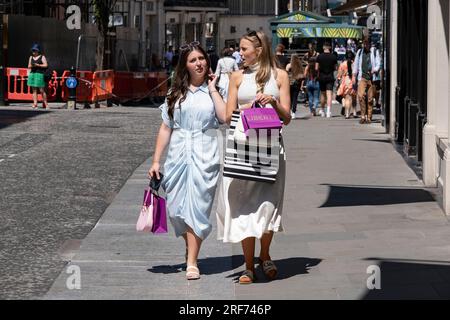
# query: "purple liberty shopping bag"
x,y
159,215
260,118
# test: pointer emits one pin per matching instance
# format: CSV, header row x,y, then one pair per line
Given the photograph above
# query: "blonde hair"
x,y
266,59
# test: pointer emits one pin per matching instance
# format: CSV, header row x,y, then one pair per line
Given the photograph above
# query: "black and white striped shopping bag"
x,y
257,159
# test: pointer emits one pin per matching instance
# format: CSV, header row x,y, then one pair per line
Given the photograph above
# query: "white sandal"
x,y
193,274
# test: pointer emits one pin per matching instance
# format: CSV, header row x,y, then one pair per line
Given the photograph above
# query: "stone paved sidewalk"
x,y
351,203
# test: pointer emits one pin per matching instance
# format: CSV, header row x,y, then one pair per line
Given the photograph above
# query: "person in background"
x,y
296,78
213,57
281,59
236,55
311,54
312,85
38,64
225,67
345,89
326,64
367,65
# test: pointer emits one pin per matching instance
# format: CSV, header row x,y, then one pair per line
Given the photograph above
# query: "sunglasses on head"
x,y
253,33
191,45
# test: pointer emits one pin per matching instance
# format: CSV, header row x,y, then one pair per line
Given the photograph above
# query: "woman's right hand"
x,y
154,170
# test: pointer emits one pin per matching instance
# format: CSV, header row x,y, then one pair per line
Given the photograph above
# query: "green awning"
x,y
302,24
319,31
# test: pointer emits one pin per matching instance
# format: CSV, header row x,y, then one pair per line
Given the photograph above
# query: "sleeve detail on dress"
x,y
165,115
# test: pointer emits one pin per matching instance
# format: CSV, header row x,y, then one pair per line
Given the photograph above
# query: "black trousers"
x,y
295,90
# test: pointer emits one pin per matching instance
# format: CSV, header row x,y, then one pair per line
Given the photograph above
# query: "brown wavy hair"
x,y
181,81
266,59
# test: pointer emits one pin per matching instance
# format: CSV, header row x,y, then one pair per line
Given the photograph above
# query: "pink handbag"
x,y
260,118
145,220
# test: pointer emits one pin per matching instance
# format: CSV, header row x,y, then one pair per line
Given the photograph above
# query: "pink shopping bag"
x,y
159,215
145,219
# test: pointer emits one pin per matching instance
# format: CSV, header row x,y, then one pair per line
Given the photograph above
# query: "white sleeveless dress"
x,y
249,208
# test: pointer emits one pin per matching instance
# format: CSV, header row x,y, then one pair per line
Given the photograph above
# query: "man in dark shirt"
x,y
326,64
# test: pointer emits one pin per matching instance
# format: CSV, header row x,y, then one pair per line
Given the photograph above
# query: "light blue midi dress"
x,y
192,165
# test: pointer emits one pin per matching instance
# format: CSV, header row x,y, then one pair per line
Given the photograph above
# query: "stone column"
x,y
429,131
446,198
393,58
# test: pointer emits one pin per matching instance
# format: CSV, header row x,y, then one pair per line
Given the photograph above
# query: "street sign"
x,y
71,82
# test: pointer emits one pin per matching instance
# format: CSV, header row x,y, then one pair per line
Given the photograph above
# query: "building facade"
x,y
420,88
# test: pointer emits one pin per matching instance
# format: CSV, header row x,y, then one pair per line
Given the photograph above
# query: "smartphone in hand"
x,y
155,183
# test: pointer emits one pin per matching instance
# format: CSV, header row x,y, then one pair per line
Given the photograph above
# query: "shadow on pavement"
x,y
409,279
373,140
346,196
287,268
207,266
10,117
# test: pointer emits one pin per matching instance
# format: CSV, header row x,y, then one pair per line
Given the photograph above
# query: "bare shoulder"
x,y
282,74
236,77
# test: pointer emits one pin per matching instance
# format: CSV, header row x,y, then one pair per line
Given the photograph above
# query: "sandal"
x,y
247,277
192,273
269,268
34,106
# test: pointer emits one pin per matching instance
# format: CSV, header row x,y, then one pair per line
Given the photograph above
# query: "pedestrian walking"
x,y
345,89
236,55
326,66
213,57
281,59
225,66
246,209
38,65
191,114
311,54
367,64
312,86
296,78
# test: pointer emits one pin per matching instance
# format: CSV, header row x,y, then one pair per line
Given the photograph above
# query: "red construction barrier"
x,y
84,88
123,86
102,85
17,88
136,86
162,81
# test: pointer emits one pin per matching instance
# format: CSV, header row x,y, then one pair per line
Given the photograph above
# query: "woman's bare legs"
x,y
44,97
193,244
266,240
248,247
35,102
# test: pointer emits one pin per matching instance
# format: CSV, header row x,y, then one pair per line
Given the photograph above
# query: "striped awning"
x,y
320,31
303,24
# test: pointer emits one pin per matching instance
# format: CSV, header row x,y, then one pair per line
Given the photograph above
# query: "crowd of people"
x,y
350,75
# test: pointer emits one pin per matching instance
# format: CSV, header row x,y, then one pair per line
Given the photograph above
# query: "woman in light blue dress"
x,y
191,115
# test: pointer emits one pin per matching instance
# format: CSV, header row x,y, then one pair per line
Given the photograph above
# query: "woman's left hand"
x,y
265,99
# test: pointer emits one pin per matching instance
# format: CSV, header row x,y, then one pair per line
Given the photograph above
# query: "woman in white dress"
x,y
247,209
226,65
